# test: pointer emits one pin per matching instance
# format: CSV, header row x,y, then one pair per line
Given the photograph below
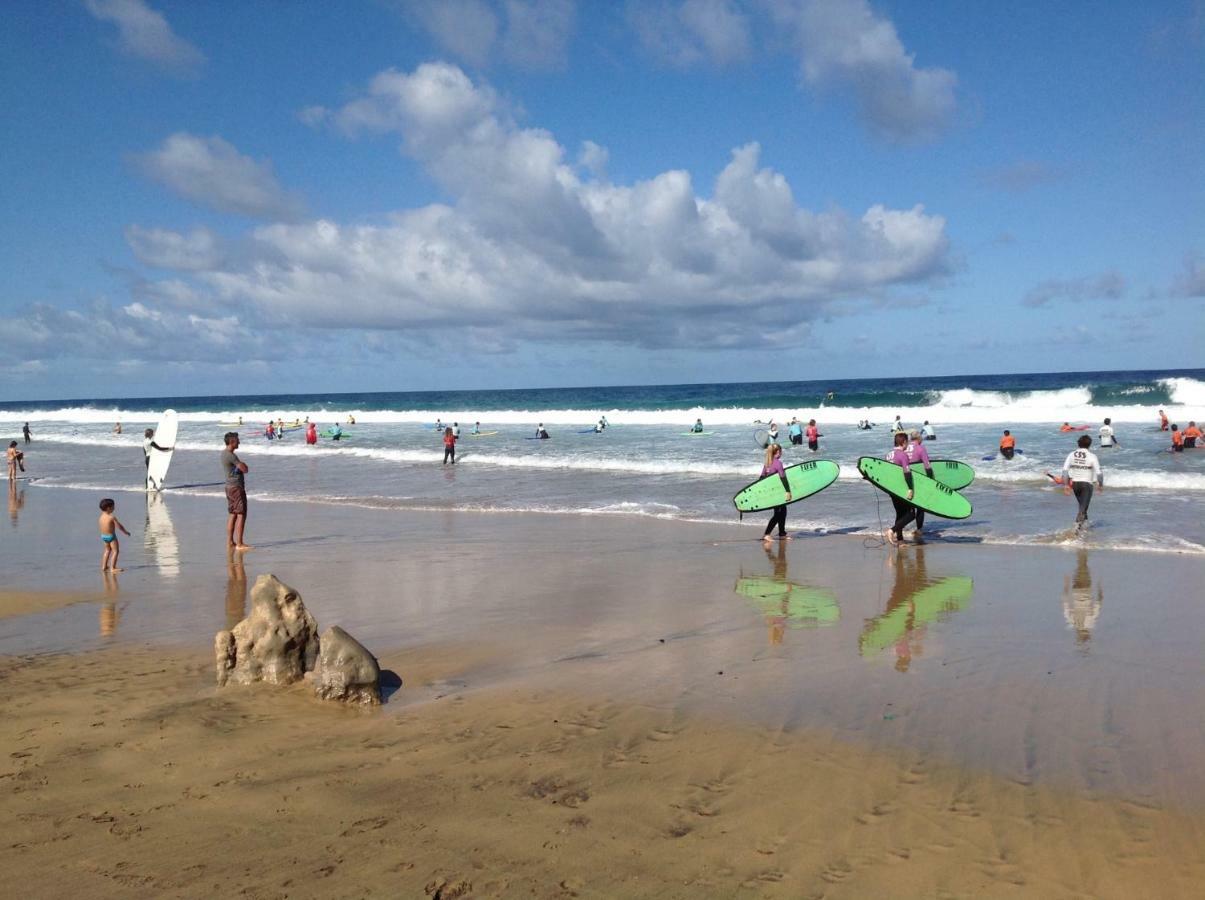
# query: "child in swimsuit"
x,y
109,525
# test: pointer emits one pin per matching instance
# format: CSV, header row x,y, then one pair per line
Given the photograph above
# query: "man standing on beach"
x,y
236,492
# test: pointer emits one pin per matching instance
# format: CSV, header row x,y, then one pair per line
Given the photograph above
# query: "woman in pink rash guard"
x,y
918,454
773,464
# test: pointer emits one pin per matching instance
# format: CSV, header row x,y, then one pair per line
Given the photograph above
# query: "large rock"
x,y
276,643
346,670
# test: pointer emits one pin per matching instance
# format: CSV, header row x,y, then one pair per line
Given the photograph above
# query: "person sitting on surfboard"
x,y
905,512
148,444
773,464
697,428
476,428
1008,444
541,433
918,454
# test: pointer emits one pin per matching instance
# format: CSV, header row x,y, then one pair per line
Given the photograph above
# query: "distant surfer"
x,y
602,423
439,426
336,432
449,446
1191,434
1008,444
1162,421
234,469
25,431
897,427
476,428
865,425
117,428
351,420
773,465
1177,439
148,444
311,434
1080,469
830,396
1066,426
795,431
541,432
456,430
1107,437
270,432
697,428
928,431
918,454
813,435
772,432
905,512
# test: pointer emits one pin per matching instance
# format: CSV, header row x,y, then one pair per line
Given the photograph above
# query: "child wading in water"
x,y
109,525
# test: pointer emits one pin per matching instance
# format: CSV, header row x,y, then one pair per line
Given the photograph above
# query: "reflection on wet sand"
x,y
1081,608
236,588
160,536
785,602
915,601
110,613
16,500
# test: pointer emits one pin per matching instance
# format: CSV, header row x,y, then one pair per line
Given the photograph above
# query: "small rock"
x,y
276,643
346,670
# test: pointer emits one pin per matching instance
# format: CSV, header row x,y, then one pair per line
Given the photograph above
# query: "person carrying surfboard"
x,y
905,512
148,444
918,454
1080,469
773,465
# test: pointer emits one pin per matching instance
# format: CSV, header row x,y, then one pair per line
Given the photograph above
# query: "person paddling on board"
x,y
773,465
541,433
928,431
697,428
1177,439
795,431
1191,435
905,512
1080,469
311,434
1162,420
813,435
918,454
1008,444
1107,437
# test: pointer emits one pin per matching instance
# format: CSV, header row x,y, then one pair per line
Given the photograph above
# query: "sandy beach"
x,y
598,706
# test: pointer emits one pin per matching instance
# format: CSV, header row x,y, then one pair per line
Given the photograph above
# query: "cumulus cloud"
x,y
537,245
145,33
161,249
844,43
532,34
689,32
1105,286
211,172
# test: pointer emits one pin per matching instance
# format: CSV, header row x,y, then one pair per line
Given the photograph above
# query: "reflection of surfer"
x,y
777,619
773,464
908,580
1080,608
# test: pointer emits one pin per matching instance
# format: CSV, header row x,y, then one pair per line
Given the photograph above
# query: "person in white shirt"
x,y
1081,469
1107,438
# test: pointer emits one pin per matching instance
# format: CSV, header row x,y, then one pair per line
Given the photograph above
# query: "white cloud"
x,y
145,33
532,34
162,249
846,44
1105,286
689,32
1191,282
211,172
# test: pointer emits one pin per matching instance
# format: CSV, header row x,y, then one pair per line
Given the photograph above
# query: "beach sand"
x,y
602,707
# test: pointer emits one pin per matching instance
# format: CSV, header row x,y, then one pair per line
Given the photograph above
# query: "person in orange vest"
x,y
1162,420
1177,439
1008,444
1191,434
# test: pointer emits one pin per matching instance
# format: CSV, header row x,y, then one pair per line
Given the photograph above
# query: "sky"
x,y
261,197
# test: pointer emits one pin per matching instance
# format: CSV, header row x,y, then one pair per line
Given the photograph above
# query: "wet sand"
x,y
604,707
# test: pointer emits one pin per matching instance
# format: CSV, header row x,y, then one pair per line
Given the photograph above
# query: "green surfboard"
x,y
803,606
928,494
805,479
950,472
946,596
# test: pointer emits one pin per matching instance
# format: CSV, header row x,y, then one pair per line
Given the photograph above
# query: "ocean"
x,y
644,464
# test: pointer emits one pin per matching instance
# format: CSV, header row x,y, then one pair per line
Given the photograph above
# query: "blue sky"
x,y
208,198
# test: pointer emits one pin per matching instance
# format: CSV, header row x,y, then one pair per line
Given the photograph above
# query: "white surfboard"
x,y
165,436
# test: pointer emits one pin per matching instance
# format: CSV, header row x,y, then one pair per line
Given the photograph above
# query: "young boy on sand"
x,y
109,525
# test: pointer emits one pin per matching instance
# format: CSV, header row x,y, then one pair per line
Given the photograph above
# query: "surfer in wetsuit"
x,y
928,432
25,432
795,431
918,454
1080,469
449,446
697,428
773,465
1008,444
772,432
905,512
541,433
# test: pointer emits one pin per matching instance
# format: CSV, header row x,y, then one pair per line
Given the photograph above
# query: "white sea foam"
x,y
1186,392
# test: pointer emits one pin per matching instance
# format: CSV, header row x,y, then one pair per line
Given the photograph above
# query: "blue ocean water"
x,y
644,464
